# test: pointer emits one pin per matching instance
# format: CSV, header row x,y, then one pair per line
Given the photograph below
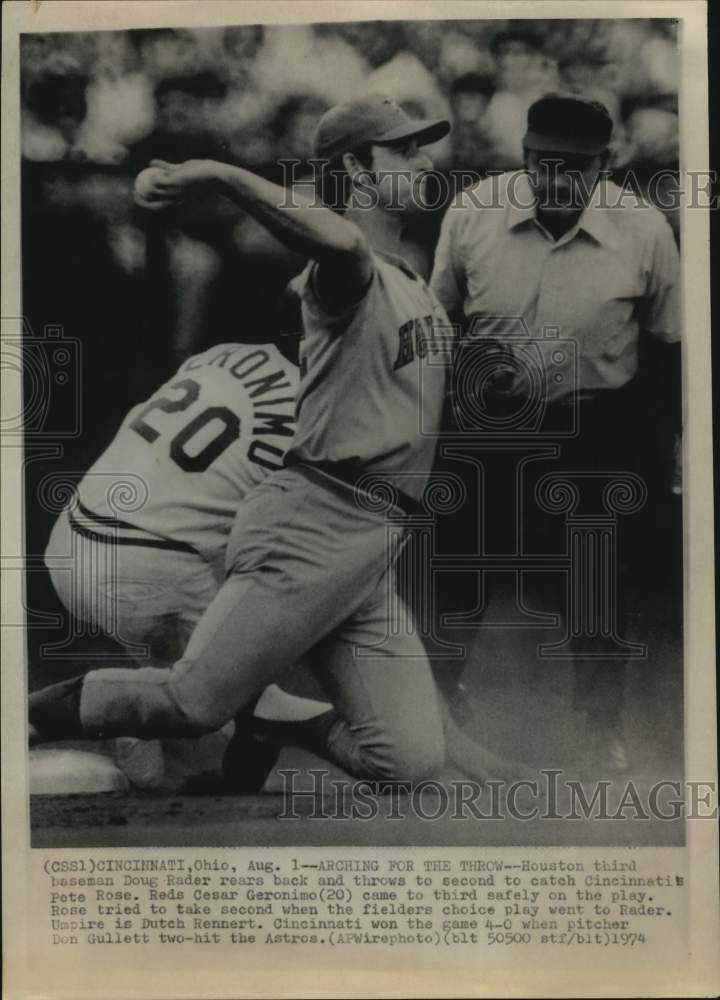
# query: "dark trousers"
x,y
624,437
621,434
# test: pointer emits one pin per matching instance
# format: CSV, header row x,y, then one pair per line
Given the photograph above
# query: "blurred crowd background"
x,y
254,93
143,290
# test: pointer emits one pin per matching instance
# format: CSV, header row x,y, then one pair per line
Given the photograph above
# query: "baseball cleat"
x,y
54,712
249,757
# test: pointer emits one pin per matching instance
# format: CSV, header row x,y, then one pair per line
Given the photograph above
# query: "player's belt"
x,y
114,523
349,474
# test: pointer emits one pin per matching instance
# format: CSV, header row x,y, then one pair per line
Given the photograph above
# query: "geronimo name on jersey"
x,y
198,445
367,372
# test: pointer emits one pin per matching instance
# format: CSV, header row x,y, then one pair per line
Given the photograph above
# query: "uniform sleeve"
x,y
336,320
448,277
662,306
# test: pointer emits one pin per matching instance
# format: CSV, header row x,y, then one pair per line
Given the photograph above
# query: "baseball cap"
x,y
377,119
565,124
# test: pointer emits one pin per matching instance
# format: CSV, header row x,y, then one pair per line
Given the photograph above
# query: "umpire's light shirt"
x,y
614,273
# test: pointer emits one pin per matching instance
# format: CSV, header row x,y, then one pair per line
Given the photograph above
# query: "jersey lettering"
x,y
241,368
191,391
273,458
200,443
424,340
416,339
266,383
275,423
257,359
215,447
188,462
405,352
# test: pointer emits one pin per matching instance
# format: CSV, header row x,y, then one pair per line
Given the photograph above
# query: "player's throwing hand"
x,y
164,184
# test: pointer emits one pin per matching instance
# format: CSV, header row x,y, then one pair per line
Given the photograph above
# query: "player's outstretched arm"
x,y
300,222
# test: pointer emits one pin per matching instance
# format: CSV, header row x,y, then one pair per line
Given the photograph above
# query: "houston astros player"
x,y
307,561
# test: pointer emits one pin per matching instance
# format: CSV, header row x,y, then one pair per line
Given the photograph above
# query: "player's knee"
x,y
409,760
425,761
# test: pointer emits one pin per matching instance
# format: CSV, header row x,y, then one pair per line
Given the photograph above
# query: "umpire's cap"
x,y
565,124
377,119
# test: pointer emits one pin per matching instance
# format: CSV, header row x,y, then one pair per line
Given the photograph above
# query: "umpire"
x,y
556,245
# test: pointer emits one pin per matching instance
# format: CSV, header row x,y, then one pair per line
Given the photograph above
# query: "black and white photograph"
x,y
353,433
357,555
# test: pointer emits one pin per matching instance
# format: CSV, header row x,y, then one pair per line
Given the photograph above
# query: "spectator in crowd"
x,y
305,59
377,42
650,154
294,125
166,52
583,74
522,74
521,67
470,97
641,59
242,120
244,129
184,109
55,107
454,48
120,105
187,249
242,44
652,131
266,264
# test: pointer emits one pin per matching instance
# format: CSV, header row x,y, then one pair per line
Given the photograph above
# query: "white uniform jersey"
x,y
374,377
183,460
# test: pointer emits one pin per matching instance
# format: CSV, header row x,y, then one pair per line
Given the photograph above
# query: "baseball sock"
x,y
254,749
254,752
310,734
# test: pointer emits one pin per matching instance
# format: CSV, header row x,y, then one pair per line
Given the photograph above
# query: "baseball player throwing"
x,y
307,560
